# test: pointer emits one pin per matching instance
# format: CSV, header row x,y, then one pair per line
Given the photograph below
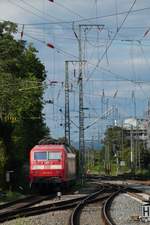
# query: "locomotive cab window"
x,y
54,155
40,155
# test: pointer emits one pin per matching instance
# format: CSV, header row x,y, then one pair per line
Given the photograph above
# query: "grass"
x,y
10,196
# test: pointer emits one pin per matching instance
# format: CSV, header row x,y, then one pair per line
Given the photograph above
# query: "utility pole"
x,y
107,158
67,111
102,103
148,110
148,127
134,103
81,112
81,105
67,108
92,152
131,146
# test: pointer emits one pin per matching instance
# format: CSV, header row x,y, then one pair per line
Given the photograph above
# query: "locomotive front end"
x,y
46,164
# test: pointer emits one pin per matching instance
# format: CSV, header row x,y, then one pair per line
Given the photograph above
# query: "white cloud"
x,y
124,60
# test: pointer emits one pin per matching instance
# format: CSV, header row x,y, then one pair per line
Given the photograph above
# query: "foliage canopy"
x,y
22,86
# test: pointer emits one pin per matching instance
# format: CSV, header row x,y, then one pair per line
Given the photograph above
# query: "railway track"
x,y
37,210
23,209
103,197
106,209
10,209
23,203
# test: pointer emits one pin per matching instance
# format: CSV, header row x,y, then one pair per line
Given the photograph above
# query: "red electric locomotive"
x,y
52,163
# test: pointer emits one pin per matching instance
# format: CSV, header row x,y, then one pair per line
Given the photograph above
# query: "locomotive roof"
x,y
60,142
55,146
48,140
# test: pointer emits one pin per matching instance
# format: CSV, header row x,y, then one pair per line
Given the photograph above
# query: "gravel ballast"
x,y
51,218
125,210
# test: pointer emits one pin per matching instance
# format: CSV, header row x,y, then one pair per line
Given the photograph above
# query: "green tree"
x,y
22,86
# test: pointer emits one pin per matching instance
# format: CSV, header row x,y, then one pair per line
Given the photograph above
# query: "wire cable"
x,y
59,50
115,35
29,11
38,10
69,10
82,20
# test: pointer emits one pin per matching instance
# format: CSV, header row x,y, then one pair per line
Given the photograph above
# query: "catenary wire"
x,y
82,20
28,10
115,35
67,53
40,11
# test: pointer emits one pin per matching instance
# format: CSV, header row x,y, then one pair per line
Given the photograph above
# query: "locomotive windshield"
x,y
54,155
40,155
47,155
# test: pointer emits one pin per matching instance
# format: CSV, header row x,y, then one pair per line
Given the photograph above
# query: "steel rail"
x,y
25,212
61,205
75,216
106,208
23,203
11,203
34,212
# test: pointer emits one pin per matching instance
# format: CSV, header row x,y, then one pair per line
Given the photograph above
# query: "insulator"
x,y
50,45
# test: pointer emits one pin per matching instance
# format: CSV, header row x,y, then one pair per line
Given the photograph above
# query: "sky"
x,y
116,48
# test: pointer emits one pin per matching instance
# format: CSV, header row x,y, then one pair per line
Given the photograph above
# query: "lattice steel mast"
x,y
81,103
67,110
